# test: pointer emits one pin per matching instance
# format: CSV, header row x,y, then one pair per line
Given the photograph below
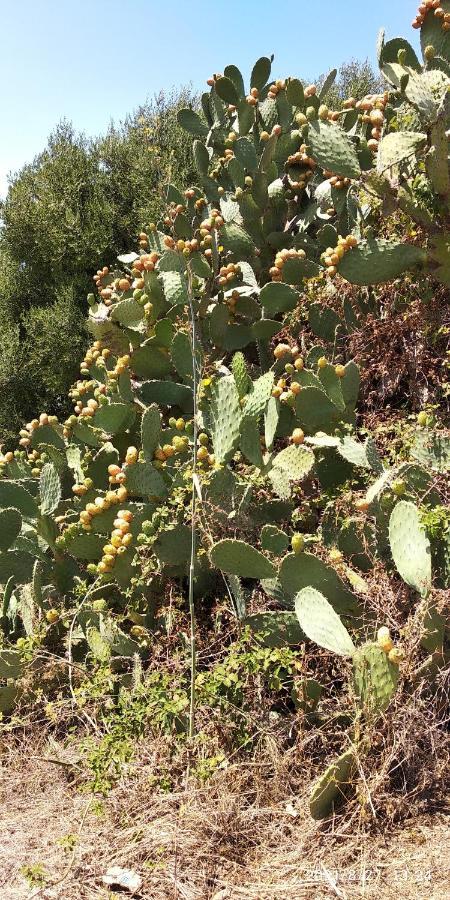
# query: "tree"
x,y
74,208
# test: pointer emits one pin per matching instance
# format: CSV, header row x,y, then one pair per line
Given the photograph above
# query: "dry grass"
x,y
246,834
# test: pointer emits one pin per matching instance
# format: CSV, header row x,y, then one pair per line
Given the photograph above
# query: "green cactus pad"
x,y
11,665
149,361
240,374
143,480
350,384
333,149
114,417
433,34
46,434
378,261
167,393
15,495
173,545
255,401
86,434
389,53
410,546
321,624
271,419
237,241
127,312
274,540
250,442
238,558
100,649
10,527
437,160
88,547
98,467
331,789
16,564
315,411
225,414
150,431
8,698
426,92
191,122
306,570
49,489
296,462
277,297
182,356
175,288
398,146
375,678
324,321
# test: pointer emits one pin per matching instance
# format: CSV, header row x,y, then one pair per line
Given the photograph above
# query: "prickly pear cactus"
x,y
238,558
321,624
332,788
375,678
410,547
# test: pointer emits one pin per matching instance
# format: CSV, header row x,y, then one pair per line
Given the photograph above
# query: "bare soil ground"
x,y
235,838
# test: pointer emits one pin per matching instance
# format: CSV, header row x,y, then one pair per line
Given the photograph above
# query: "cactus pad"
x,y
378,261
49,489
277,297
331,788
273,540
255,401
398,146
143,480
333,149
10,526
306,570
410,547
375,678
150,431
321,624
225,414
114,417
15,495
238,558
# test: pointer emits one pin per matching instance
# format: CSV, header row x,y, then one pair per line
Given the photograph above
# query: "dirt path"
x,y
198,846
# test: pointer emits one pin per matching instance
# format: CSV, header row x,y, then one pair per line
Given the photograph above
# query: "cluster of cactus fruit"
x,y
185,383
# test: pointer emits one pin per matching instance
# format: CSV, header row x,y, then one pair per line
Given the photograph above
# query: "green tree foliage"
x,y
74,208
355,78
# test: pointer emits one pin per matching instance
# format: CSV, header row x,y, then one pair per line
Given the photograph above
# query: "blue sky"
x,y
91,61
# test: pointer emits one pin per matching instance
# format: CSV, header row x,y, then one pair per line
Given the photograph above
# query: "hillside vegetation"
x,y
230,564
